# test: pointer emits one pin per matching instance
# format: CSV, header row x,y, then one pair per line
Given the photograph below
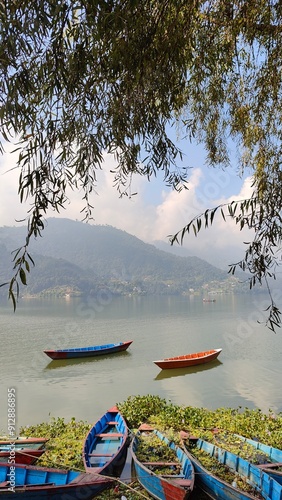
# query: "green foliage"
x,y
137,409
165,415
64,448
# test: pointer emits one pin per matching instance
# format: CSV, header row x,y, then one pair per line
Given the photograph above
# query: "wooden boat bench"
x,y
173,476
184,483
272,465
113,422
162,464
109,435
100,454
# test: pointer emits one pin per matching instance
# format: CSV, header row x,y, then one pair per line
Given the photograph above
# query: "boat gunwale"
x,y
188,357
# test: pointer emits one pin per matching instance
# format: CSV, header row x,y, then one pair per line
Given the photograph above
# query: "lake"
x,y
247,372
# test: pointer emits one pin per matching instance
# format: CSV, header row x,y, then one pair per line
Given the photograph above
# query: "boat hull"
x,y
105,447
48,484
87,352
216,488
186,360
23,442
26,456
274,455
160,487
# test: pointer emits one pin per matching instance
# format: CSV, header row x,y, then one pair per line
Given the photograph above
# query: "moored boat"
x,y
163,479
273,466
22,441
26,456
186,360
83,352
216,487
22,482
106,444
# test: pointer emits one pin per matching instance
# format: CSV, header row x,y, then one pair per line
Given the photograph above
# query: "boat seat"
x,y
173,476
272,465
100,454
109,435
184,483
112,422
162,464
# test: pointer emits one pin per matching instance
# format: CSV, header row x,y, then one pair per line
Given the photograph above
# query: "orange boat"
x,y
197,358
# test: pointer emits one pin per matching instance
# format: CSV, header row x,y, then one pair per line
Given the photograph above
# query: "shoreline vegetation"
x,y
64,448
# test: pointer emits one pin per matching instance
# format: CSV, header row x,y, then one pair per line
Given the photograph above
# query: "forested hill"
x,y
75,257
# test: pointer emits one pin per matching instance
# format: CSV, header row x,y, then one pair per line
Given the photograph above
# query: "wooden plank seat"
x,y
162,464
114,422
185,483
173,476
109,435
100,454
272,465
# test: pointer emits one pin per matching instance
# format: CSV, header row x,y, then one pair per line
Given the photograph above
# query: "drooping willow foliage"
x,y
83,78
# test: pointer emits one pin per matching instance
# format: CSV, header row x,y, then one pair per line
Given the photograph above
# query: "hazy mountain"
x,y
86,257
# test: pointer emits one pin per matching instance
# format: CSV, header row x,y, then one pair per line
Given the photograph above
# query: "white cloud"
x,y
165,213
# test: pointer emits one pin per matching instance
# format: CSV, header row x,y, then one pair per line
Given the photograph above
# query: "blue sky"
x,y
156,211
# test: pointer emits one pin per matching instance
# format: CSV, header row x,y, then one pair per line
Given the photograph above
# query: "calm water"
x,y
247,373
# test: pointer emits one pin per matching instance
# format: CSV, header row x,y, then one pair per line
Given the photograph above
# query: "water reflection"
x,y
62,363
177,372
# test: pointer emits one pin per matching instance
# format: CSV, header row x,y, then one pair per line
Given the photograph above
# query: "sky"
x,y
156,211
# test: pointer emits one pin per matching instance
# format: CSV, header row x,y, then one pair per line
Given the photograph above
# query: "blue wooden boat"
x,y
86,352
174,486
106,444
22,482
273,467
216,488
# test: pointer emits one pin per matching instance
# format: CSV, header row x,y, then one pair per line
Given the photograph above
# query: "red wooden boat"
x,y
25,456
23,442
185,360
83,352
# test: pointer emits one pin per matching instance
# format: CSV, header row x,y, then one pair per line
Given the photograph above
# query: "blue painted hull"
x,y
106,454
274,455
218,489
159,486
87,352
41,483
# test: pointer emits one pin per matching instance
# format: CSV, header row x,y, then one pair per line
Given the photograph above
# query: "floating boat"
x,y
196,358
106,444
22,482
83,352
27,456
177,485
216,488
21,441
